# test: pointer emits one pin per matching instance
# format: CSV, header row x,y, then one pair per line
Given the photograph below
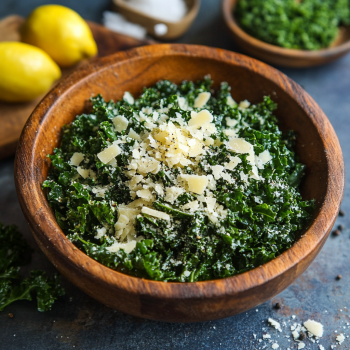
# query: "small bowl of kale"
x,y
179,183
290,33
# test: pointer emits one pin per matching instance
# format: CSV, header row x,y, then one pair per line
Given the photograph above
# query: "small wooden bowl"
x,y
317,146
175,29
279,55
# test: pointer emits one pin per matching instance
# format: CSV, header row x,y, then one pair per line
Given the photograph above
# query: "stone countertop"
x,y
79,322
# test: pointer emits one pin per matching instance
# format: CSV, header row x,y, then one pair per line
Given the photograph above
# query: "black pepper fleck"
x,y
336,233
339,277
302,336
341,227
341,213
277,306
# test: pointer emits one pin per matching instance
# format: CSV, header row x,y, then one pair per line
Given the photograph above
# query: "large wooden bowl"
x,y
279,55
317,146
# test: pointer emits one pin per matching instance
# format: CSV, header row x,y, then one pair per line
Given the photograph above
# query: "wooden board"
x,y
14,115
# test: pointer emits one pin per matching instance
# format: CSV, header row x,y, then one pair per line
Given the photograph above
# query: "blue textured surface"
x,y
79,322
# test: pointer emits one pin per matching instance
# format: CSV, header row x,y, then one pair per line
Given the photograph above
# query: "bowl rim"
x,y
228,7
37,211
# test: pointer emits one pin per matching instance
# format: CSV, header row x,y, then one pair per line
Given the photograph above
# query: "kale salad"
x,y
304,25
182,184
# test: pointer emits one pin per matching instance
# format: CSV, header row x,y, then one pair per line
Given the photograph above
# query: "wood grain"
x,y
317,146
279,55
14,115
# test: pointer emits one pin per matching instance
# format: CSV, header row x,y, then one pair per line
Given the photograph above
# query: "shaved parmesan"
x,y
192,206
122,222
202,99
230,132
208,141
210,203
182,103
240,145
76,159
196,183
120,123
145,194
109,153
134,135
265,157
234,161
83,172
155,213
201,118
230,101
244,104
128,98
231,122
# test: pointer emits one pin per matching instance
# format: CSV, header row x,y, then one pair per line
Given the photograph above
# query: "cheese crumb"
x,y
340,338
275,346
314,327
301,345
275,324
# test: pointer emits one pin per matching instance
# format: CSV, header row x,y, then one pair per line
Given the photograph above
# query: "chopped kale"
x,y
305,25
258,209
15,252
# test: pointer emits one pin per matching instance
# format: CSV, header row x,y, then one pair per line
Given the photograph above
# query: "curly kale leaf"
x,y
15,252
46,289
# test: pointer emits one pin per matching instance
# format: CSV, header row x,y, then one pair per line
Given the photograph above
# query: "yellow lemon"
x,y
61,32
26,71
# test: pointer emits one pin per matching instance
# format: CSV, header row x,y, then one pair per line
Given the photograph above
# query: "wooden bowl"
x,y
175,29
279,55
317,146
